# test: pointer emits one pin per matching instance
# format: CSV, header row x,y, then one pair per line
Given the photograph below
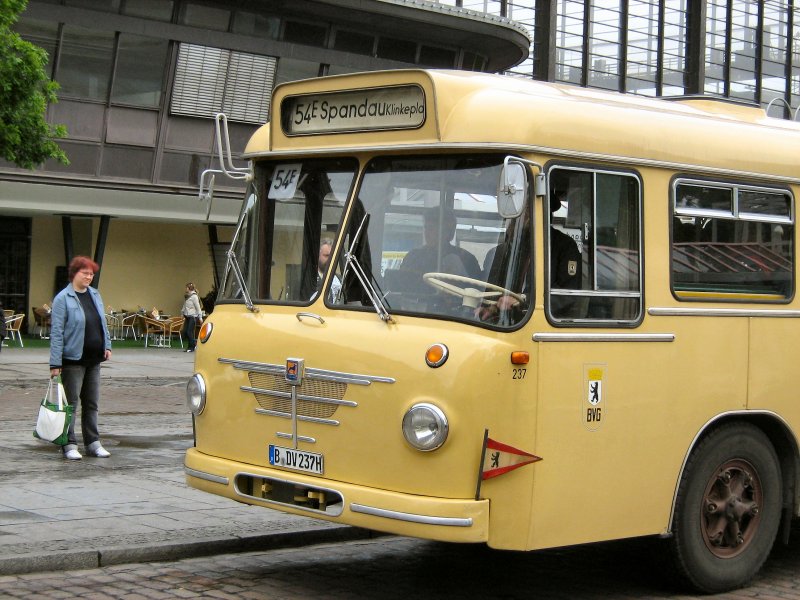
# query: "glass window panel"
x,y
305,33
761,202
743,85
353,41
83,120
747,255
256,24
689,199
472,61
437,58
292,69
141,63
83,159
130,163
206,17
185,133
84,67
132,126
594,246
284,232
42,33
183,168
158,10
400,50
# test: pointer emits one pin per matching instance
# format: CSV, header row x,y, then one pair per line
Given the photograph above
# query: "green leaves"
x,y
26,138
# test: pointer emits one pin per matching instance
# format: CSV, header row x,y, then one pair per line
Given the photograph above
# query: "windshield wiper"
x,y
231,264
351,262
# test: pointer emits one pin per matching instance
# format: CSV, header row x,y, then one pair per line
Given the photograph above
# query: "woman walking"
x,y
79,342
192,312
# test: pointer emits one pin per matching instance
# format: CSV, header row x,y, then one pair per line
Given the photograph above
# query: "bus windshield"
x,y
424,237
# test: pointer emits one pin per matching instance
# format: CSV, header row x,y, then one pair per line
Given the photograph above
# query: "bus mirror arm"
x,y
222,142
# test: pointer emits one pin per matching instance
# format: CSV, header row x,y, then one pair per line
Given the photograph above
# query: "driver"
x,y
511,260
439,254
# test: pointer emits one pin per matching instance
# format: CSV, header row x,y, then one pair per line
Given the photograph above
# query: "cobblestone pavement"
x,y
401,568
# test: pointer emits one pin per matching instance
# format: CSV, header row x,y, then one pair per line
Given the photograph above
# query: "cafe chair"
x,y
175,328
114,326
41,320
129,326
13,328
156,333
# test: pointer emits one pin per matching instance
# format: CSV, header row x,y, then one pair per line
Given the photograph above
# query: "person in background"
x,y
324,259
79,342
192,313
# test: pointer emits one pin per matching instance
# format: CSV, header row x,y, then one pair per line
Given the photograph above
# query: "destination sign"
x,y
400,107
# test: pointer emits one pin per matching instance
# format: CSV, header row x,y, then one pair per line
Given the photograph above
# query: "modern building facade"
x,y
140,83
141,79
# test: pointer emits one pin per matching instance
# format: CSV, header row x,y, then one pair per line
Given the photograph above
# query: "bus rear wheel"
x,y
728,509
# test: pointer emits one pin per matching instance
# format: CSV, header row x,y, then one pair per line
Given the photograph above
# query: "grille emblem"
x,y
294,371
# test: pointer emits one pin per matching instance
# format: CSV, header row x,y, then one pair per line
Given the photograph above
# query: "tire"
x,y
727,510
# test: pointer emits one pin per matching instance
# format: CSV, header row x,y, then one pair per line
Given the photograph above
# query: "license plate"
x,y
289,458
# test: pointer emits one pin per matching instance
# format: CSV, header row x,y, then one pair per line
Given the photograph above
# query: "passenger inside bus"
x,y
439,254
325,248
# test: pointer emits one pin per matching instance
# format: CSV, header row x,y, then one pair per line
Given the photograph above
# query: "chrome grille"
x,y
275,395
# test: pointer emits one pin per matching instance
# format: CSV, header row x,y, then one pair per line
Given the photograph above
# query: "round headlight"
x,y
196,394
425,427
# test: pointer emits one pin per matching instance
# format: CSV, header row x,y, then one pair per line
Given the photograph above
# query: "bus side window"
x,y
600,211
731,242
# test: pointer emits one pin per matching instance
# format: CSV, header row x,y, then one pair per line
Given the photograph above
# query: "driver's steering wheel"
x,y
472,297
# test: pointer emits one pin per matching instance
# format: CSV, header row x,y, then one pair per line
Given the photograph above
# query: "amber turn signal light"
x,y
205,332
520,357
436,355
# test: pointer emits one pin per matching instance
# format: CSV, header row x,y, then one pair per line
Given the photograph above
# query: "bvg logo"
x,y
594,405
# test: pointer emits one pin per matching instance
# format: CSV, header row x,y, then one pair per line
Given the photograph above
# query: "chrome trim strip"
x,y
603,337
411,518
532,149
285,415
279,394
206,476
318,374
351,378
595,294
722,312
300,438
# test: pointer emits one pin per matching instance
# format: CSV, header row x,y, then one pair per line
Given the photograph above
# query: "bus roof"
x,y
468,110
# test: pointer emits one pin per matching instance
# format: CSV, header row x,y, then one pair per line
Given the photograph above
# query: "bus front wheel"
x,y
727,510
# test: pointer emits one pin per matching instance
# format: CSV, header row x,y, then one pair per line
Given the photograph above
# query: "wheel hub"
x,y
731,516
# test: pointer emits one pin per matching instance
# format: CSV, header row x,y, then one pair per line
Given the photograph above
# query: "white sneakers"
x,y
72,454
96,449
93,449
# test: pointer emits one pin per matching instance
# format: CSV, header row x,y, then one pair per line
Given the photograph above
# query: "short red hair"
x,y
79,263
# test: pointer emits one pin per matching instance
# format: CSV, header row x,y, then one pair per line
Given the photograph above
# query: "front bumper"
x,y
448,520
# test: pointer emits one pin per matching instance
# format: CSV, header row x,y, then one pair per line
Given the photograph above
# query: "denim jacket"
x,y
68,323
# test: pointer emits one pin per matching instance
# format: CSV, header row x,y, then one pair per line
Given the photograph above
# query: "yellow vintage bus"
x,y
472,308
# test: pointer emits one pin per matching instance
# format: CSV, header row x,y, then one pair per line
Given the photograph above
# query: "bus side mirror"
x,y
512,190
